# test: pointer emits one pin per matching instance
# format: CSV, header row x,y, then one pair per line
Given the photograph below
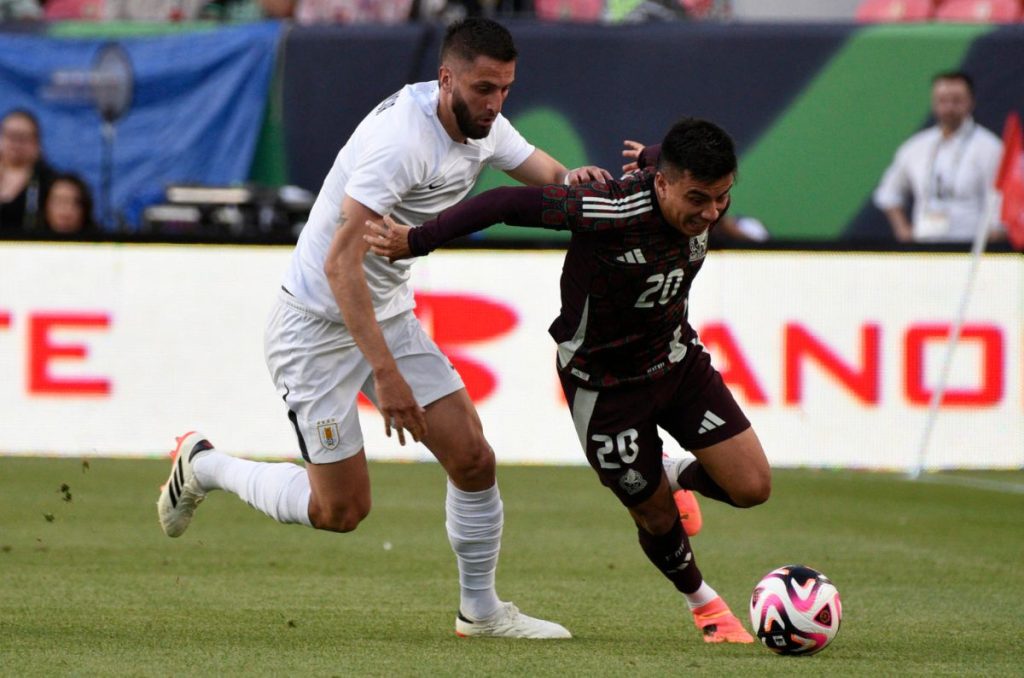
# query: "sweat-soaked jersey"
x,y
626,277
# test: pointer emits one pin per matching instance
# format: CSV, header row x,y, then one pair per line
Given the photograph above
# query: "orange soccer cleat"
x,y
689,511
686,501
719,625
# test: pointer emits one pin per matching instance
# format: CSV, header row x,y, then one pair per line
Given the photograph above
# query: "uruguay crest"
x,y
328,434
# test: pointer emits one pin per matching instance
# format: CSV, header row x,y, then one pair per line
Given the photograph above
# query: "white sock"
x,y
281,490
474,521
702,596
673,467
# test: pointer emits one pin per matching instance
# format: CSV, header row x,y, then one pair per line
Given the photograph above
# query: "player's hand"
x,y
586,174
398,406
631,153
388,239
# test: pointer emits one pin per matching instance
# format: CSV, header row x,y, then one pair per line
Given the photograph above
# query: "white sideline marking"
x,y
977,483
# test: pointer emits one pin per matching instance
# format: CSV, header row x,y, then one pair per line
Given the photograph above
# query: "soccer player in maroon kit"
x,y
628,359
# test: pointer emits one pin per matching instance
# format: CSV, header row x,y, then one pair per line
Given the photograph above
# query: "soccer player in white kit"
x,y
344,324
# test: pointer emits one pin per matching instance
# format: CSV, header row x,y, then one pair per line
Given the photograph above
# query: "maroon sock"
x,y
671,554
695,477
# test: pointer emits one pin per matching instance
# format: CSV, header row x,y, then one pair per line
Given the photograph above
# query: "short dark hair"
x,y
956,75
469,38
23,113
699,147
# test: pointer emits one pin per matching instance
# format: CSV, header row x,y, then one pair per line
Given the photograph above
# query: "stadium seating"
x,y
569,10
55,10
979,11
885,11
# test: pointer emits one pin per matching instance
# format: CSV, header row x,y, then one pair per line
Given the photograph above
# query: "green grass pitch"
x,y
931,575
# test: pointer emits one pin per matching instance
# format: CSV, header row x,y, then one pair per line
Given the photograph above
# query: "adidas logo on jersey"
x,y
634,256
711,422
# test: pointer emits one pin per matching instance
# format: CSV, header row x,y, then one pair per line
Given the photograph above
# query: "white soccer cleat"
x,y
180,496
509,622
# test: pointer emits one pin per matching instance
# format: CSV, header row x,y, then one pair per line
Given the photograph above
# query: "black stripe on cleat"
x,y
199,447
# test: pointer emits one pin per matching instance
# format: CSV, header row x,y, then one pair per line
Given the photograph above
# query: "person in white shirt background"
x,y
343,324
948,169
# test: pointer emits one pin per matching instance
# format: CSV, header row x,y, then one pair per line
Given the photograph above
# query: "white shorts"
x,y
319,371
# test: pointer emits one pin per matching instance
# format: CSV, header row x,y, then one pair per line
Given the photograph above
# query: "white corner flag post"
x,y
977,249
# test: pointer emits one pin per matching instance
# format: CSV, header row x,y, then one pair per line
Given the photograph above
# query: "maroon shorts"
x,y
618,427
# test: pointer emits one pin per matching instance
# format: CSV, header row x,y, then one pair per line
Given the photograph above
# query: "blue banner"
x,y
194,108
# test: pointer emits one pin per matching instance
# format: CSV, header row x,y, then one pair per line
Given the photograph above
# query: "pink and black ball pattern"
x,y
795,610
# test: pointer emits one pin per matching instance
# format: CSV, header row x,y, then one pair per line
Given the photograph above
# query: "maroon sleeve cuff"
x,y
648,156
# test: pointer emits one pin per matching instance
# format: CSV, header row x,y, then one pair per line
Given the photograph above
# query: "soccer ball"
x,y
795,610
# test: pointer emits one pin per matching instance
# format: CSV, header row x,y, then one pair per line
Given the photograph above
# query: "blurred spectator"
x,y
167,10
124,10
153,10
948,170
453,10
24,175
348,11
61,10
67,210
14,10
582,11
635,11
247,10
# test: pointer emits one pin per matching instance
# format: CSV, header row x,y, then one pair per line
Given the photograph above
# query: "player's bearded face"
x,y
473,126
689,205
479,90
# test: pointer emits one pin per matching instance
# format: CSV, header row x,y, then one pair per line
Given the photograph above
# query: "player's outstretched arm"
x,y
514,205
540,168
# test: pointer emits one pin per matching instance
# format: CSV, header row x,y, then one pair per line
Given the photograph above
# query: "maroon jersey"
x,y
626,277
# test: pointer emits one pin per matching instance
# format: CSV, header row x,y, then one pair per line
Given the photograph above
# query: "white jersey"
x,y
400,162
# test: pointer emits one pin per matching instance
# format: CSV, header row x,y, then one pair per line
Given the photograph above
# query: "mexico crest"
x,y
698,246
632,482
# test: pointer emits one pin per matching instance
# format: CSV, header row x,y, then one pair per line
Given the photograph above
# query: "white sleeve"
x,y
895,184
990,157
384,174
510,148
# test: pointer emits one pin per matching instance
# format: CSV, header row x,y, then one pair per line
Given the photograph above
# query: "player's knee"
x,y
339,517
474,464
753,492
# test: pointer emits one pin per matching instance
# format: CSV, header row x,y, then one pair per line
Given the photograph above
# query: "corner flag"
x,y
1010,180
